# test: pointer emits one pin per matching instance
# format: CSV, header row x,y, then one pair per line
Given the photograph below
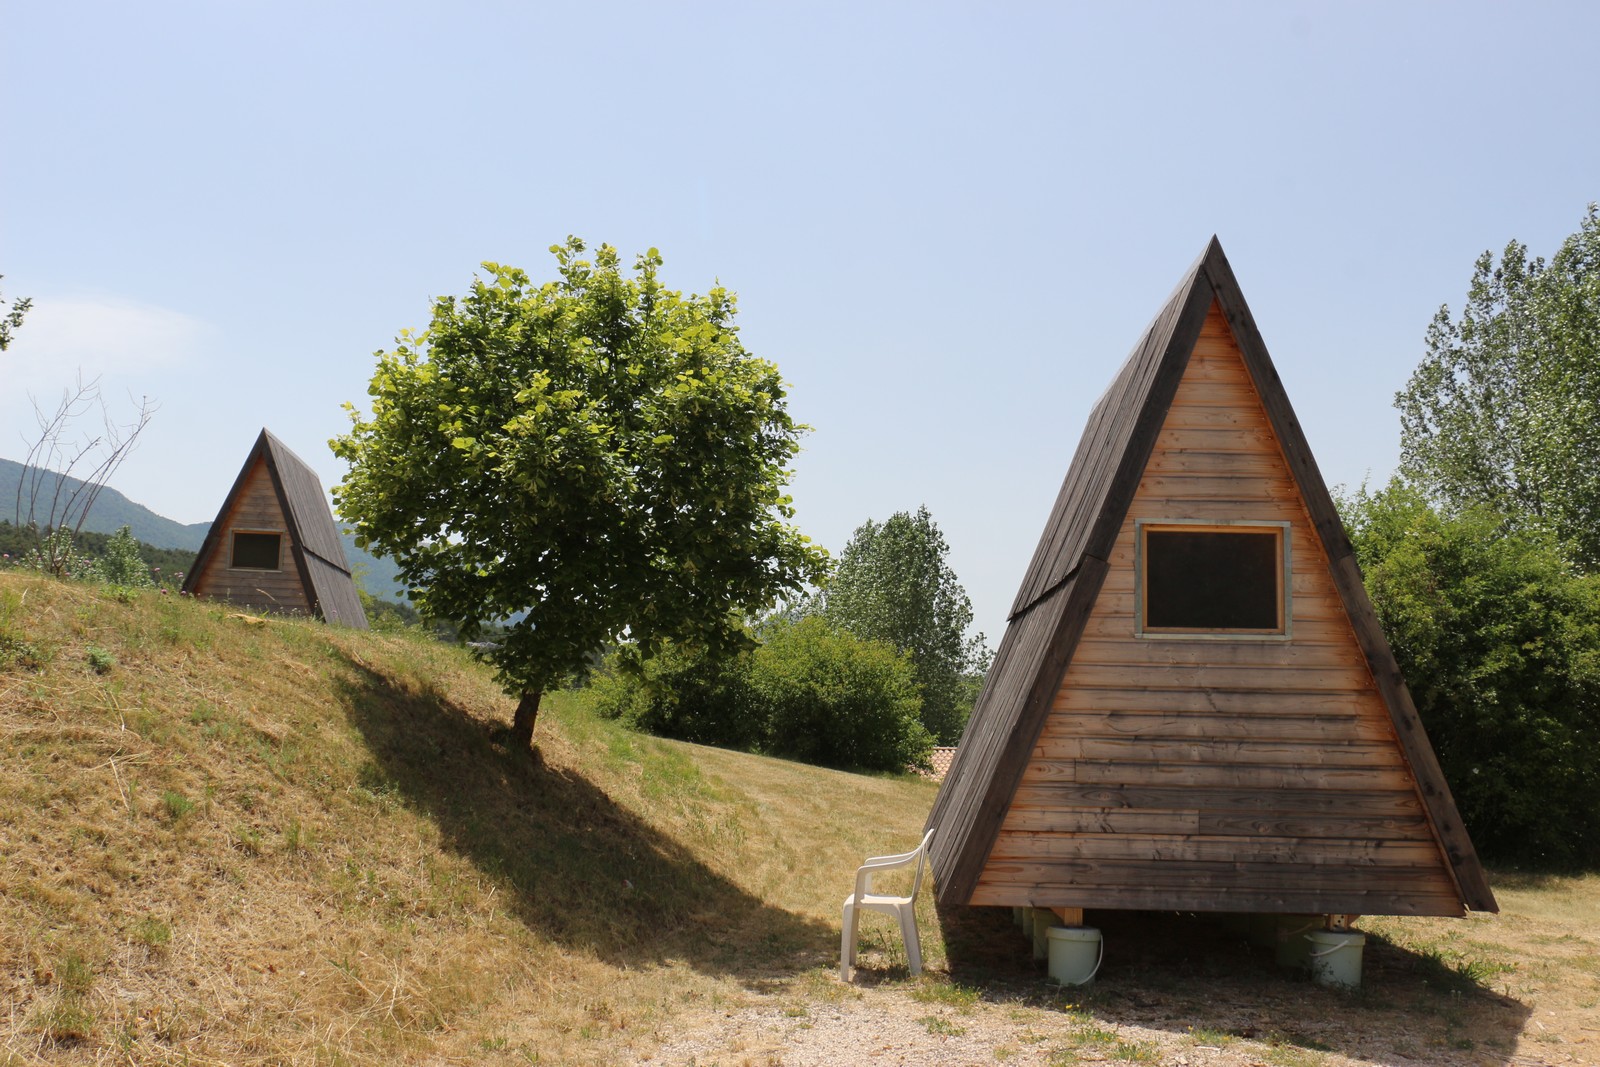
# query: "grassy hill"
x,y
241,841
235,841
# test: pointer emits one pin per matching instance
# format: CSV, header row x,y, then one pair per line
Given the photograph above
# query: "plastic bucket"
x,y
1075,953
1043,920
1336,957
1294,947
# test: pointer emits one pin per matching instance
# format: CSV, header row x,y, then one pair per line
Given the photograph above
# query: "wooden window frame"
x,y
233,544
1284,631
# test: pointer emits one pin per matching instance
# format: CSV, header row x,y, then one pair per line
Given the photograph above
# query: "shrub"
x,y
807,692
1499,642
120,563
830,698
685,694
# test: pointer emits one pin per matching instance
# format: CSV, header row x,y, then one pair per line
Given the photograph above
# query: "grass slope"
x,y
236,841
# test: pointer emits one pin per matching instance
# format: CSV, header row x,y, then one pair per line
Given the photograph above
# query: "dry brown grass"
x,y
293,844
281,843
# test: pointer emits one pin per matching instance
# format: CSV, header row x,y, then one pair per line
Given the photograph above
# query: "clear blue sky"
x,y
946,224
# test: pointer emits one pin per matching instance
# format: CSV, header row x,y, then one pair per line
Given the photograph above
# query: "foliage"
x,y
1504,410
893,584
121,564
833,698
1499,641
807,692
164,566
684,693
594,455
11,319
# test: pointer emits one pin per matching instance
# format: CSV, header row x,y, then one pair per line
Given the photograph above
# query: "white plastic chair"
x,y
902,908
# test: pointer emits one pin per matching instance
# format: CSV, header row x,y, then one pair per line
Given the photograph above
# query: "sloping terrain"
x,y
225,840
243,841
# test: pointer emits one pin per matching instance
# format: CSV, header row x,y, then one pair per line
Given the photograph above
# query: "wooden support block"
x,y
1069,916
1340,922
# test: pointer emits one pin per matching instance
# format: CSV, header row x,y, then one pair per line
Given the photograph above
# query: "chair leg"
x,y
847,943
908,931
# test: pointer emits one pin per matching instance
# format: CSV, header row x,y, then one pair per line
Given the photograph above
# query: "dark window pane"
x,y
256,551
1212,580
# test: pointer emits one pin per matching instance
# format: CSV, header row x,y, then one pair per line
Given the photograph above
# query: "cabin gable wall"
x,y
1219,774
255,508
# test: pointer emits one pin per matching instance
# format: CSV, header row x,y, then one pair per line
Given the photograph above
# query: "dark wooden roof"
x,y
318,551
1068,566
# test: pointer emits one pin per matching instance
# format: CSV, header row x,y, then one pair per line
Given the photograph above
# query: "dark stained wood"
x,y
277,491
1103,770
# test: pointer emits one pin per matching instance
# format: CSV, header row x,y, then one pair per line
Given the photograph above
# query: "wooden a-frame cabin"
x,y
274,545
1194,707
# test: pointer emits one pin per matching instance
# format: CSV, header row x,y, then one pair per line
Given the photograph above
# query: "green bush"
x,y
830,698
691,696
120,563
807,692
1499,642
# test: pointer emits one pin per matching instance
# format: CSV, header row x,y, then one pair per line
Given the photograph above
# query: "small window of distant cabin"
x,y
1212,579
255,551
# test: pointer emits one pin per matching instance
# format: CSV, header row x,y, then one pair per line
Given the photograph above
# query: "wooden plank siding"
x,y
254,507
1219,774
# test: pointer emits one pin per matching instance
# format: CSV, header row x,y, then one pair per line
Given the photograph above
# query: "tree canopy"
x,y
11,318
575,460
1504,410
894,584
1499,642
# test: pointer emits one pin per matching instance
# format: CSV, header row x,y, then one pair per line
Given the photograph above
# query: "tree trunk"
x,y
522,725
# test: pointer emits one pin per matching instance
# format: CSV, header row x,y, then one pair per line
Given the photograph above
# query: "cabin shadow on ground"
x,y
1190,975
580,870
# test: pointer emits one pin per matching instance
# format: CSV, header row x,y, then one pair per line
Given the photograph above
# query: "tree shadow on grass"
x,y
582,870
1194,974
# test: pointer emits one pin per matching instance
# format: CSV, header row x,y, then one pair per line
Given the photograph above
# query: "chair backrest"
x,y
922,860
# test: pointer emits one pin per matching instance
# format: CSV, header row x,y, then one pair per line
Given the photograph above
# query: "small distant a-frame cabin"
x,y
274,545
1194,707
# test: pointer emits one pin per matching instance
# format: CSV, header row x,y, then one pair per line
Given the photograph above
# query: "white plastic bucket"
x,y
1075,953
1043,920
1336,957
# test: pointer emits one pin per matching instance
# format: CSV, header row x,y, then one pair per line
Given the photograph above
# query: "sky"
x,y
947,224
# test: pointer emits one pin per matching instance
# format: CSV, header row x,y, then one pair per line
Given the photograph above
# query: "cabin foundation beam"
x,y
1069,916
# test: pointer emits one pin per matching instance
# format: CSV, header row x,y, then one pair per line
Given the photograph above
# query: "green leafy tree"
x,y
894,584
11,318
575,460
1499,641
1504,410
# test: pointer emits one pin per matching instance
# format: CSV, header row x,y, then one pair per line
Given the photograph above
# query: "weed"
x,y
17,652
1205,1035
931,991
202,714
1137,1051
247,839
73,974
294,837
100,660
152,932
177,804
941,1027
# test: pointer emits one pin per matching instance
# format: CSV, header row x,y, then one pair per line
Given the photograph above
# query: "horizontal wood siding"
x,y
255,508
1223,775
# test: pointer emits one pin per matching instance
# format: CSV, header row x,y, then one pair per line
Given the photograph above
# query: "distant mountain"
x,y
112,511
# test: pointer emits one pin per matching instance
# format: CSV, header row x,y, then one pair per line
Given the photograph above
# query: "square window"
x,y
256,551
1212,580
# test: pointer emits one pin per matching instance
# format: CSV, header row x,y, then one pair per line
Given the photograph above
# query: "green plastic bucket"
x,y
1336,957
1294,946
1043,920
1075,953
